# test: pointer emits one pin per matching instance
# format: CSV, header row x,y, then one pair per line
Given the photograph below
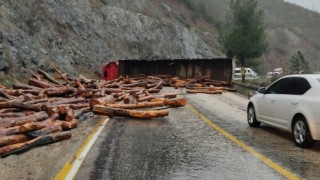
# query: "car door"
x,y
286,103
268,103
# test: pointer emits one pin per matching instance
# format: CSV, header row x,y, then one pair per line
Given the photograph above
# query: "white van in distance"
x,y
249,73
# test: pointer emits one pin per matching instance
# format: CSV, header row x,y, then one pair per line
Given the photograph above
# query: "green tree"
x,y
298,64
243,33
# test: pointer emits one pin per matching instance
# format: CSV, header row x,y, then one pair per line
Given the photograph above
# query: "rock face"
x,y
78,36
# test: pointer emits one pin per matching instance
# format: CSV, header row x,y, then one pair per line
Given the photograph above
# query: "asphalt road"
x,y
184,146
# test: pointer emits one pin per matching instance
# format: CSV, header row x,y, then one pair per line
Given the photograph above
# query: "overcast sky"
x,y
309,4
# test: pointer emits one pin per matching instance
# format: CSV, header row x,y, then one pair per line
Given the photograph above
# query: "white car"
x,y
292,103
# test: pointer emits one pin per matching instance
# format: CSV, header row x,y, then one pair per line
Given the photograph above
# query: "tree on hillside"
x,y
243,34
298,64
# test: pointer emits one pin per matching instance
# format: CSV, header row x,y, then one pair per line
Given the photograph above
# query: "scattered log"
x,y
20,105
164,102
9,131
69,115
30,127
205,91
69,125
16,121
5,94
13,139
39,83
61,91
24,86
52,128
102,100
3,99
129,113
79,106
3,86
39,141
59,72
49,77
16,114
79,112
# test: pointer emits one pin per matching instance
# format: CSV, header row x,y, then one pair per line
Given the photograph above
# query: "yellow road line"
x,y
71,167
264,159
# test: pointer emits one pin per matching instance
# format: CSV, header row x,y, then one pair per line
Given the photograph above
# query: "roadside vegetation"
x,y
287,25
242,35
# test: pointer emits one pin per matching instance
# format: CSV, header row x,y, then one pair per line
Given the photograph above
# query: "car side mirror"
x,y
262,90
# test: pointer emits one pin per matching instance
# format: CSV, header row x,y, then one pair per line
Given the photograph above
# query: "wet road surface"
x,y
182,146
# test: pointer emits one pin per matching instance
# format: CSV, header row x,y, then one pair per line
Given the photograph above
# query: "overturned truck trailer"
x,y
217,68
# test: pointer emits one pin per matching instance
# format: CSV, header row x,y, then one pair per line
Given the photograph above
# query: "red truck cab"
x,y
110,71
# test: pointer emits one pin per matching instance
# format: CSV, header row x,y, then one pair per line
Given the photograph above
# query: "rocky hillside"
x,y
78,36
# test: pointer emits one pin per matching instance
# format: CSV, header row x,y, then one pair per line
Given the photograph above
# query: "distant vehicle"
x,y
249,73
291,103
275,72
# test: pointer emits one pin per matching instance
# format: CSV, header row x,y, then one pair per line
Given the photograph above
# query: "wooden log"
x,y
49,77
9,131
52,110
205,91
62,101
3,99
28,97
84,79
52,128
126,98
145,98
87,94
13,139
40,141
7,110
164,102
224,83
78,106
129,113
198,79
38,125
62,75
61,91
39,83
30,127
62,109
69,115
107,90
16,121
73,123
4,94
41,93
103,91
36,101
24,86
79,112
20,105
138,84
109,99
79,84
3,86
16,114
158,86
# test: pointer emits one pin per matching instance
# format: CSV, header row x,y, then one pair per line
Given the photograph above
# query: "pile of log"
x,y
200,85
47,107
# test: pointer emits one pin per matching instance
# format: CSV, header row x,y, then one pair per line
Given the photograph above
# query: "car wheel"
x,y
301,133
251,116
